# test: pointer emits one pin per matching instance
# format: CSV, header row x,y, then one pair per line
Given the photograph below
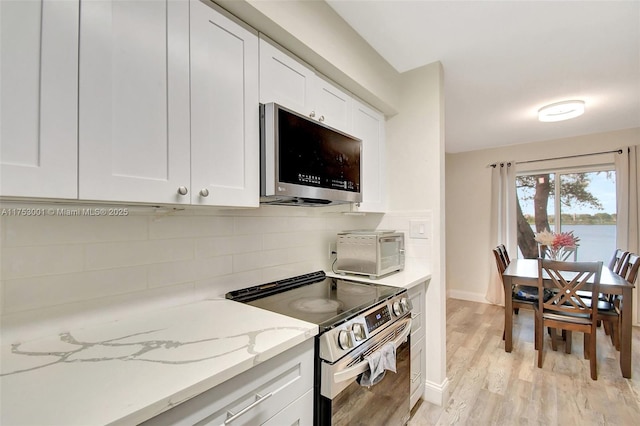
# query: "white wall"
x,y
415,151
468,190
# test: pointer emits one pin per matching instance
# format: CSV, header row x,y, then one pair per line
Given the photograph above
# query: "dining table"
x,y
525,272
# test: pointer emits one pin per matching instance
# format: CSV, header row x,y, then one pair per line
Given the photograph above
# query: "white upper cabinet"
x,y
286,81
134,101
369,125
38,83
332,106
225,125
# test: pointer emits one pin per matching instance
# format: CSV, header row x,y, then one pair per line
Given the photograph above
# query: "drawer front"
x,y
416,295
299,413
252,397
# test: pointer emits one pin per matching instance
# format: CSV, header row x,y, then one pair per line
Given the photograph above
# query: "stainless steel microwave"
x,y
374,253
304,162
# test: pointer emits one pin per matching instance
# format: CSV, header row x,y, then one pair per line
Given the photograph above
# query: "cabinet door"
x,y
332,106
284,80
369,125
418,366
39,112
134,100
225,122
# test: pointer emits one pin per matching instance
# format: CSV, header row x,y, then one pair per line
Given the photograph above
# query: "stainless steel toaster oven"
x,y
369,252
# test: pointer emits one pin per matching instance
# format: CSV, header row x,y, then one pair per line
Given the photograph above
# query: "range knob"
x,y
404,303
358,331
397,308
344,340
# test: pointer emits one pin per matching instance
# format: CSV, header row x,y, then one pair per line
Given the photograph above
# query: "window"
x,y
579,200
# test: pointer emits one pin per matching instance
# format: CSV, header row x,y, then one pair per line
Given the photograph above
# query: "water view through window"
x,y
584,202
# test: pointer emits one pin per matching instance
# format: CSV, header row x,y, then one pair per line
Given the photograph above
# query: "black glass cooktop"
x,y
315,298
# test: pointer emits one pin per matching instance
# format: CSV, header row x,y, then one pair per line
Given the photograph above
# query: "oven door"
x,y
343,401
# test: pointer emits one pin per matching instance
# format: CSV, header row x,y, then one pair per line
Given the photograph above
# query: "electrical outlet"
x,y
332,250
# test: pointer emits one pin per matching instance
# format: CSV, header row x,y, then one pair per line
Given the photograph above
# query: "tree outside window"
x,y
578,201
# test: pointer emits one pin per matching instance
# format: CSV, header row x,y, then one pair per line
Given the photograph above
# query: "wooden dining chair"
x,y
617,261
609,304
566,309
628,271
521,296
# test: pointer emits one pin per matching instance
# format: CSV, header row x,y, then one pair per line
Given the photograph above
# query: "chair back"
x,y
617,261
569,293
629,270
568,253
500,262
505,254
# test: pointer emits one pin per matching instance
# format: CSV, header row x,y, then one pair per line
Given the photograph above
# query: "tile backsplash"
x,y
61,271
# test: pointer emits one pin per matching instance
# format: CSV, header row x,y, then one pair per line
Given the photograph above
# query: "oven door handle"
x,y
361,367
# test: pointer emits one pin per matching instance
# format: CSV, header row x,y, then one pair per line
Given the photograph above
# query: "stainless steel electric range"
x,y
357,322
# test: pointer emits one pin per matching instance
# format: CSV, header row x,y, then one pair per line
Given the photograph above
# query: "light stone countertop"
x,y
415,272
127,371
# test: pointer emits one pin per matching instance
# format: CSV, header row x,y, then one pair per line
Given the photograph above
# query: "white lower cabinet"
x,y
298,413
278,391
418,349
418,365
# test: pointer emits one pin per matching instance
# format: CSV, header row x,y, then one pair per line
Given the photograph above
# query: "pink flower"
x,y
565,239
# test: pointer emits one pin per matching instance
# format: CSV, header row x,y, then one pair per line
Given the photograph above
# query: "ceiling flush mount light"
x,y
561,111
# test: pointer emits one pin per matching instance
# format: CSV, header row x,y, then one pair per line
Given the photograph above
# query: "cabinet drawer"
x,y
299,413
416,295
417,326
253,397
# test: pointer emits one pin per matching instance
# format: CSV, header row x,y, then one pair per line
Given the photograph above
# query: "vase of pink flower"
x,y
557,243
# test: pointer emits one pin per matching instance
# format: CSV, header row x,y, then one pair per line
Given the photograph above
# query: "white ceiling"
x,y
503,60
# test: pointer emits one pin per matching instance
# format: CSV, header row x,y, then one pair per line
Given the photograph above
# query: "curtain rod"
x,y
616,151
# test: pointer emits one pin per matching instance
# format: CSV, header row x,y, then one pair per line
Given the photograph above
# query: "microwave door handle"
x,y
361,367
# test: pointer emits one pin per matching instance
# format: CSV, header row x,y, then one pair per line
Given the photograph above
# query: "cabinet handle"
x,y
183,190
415,377
204,192
313,114
259,399
321,119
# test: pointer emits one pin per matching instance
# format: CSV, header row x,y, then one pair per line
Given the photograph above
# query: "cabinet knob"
x,y
321,119
313,114
204,192
183,190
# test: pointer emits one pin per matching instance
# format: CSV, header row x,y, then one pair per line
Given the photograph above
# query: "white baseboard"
x,y
467,295
435,393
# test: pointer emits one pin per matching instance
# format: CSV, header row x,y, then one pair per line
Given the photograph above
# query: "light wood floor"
x,y
491,387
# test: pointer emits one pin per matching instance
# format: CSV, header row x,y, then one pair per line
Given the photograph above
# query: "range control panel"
x,y
338,341
377,318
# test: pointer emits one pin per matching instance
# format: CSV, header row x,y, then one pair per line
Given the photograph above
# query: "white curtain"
x,y
628,222
503,223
